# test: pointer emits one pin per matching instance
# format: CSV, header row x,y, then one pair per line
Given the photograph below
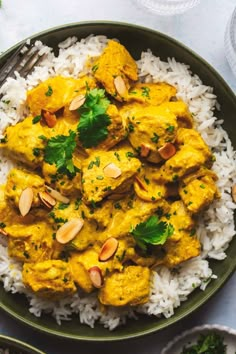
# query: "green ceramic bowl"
x,y
15,346
136,39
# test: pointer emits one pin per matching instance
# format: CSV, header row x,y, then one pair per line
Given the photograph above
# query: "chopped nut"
x,y
50,118
116,196
95,275
111,170
140,183
167,151
77,102
47,200
234,193
3,232
108,249
145,150
69,230
25,201
120,86
57,195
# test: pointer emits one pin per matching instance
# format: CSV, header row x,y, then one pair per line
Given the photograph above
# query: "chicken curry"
x,y
110,179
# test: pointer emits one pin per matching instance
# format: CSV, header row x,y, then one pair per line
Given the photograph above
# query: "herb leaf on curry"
x,y
59,151
94,121
152,232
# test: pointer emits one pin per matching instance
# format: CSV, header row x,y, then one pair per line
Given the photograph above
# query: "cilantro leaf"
x,y
212,343
152,232
49,91
93,122
59,151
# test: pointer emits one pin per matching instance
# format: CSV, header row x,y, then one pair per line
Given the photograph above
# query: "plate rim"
x,y
15,341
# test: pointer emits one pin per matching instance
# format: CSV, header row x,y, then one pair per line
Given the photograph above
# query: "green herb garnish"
x,y
94,68
130,127
170,128
129,154
211,343
59,151
93,122
49,91
145,91
96,162
36,152
152,232
155,138
36,119
4,140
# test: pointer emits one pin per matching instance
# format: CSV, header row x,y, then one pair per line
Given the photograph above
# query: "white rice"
x,y
216,225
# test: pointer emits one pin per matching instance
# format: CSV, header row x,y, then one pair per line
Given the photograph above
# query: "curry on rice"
x,y
110,180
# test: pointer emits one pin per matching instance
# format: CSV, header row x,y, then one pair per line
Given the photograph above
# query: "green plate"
x,y
136,39
16,346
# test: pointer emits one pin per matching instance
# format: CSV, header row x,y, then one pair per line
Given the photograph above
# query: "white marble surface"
x,y
202,29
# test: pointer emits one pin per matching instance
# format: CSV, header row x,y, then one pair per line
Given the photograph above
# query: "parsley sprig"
x,y
212,343
152,232
94,121
59,151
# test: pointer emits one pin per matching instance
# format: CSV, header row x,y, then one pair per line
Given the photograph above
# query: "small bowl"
x,y
191,336
16,346
230,41
168,7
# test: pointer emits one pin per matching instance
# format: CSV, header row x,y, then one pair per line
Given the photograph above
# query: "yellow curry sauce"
x,y
110,179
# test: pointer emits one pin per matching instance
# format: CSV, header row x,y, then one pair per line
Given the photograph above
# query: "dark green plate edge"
x,y
224,268
15,344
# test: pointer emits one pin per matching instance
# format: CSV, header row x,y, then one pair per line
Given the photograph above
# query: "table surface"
x,y
202,29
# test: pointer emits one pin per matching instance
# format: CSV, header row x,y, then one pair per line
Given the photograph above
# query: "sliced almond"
x,y
57,195
77,102
145,150
95,275
116,196
25,201
108,249
3,232
111,170
234,193
140,183
120,86
69,230
167,151
50,119
47,199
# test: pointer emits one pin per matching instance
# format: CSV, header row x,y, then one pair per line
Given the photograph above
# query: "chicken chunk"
x,y
104,173
65,184
198,192
56,92
181,111
191,138
116,130
49,279
179,217
129,213
130,287
146,187
151,93
114,62
18,180
149,128
32,243
186,248
80,264
24,142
